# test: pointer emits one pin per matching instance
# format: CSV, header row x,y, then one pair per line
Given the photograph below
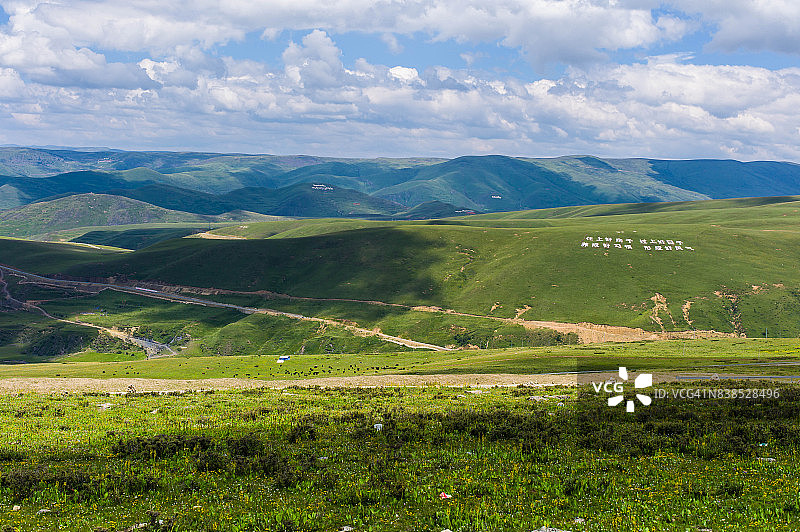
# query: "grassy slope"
x,y
533,262
84,210
297,228
730,179
135,238
620,180
30,337
490,183
58,256
293,200
104,231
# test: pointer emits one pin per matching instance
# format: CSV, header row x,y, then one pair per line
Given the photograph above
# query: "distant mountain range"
x,y
307,186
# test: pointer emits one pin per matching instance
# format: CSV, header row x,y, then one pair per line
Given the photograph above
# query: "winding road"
x,y
152,348
177,298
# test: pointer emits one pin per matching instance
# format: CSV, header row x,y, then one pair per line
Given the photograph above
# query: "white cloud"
x,y
662,107
392,43
11,85
55,79
314,64
546,30
404,74
771,25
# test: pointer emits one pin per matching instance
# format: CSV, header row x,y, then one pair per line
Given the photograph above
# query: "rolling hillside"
x,y
302,199
100,210
86,210
17,191
505,265
215,183
491,183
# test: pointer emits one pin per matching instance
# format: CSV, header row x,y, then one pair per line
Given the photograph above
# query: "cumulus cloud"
x,y
316,63
772,25
658,107
546,30
179,93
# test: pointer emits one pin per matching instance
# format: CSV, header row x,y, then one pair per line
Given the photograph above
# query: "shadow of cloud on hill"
x,y
386,264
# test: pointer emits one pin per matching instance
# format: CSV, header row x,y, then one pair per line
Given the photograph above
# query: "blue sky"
x,y
364,78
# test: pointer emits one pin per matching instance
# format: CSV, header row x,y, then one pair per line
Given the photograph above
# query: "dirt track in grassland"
x,y
77,385
587,332
15,385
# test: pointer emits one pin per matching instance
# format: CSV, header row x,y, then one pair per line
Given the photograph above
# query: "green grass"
x,y
192,329
84,210
297,228
134,238
58,256
312,460
29,338
702,356
476,263
76,234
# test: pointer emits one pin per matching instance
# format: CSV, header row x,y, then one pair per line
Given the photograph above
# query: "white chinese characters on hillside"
x,y
646,244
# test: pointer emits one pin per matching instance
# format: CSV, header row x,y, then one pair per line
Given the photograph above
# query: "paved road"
x,y
155,294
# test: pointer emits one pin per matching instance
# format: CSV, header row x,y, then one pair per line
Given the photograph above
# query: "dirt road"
x,y
13,385
78,385
587,332
177,298
152,348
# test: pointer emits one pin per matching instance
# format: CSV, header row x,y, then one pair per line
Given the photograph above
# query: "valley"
x,y
247,323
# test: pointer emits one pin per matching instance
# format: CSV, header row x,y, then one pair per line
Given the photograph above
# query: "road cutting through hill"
x,y
177,298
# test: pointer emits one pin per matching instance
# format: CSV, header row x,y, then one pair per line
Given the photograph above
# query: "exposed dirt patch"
x,y
685,308
21,385
521,311
589,333
78,385
660,305
733,311
214,236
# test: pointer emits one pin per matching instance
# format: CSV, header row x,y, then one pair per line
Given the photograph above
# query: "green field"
x,y
738,357
511,458
312,460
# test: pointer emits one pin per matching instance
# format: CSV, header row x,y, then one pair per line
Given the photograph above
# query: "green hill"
x,y
176,198
503,264
71,213
302,199
433,209
310,199
135,238
731,179
491,183
22,190
86,210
